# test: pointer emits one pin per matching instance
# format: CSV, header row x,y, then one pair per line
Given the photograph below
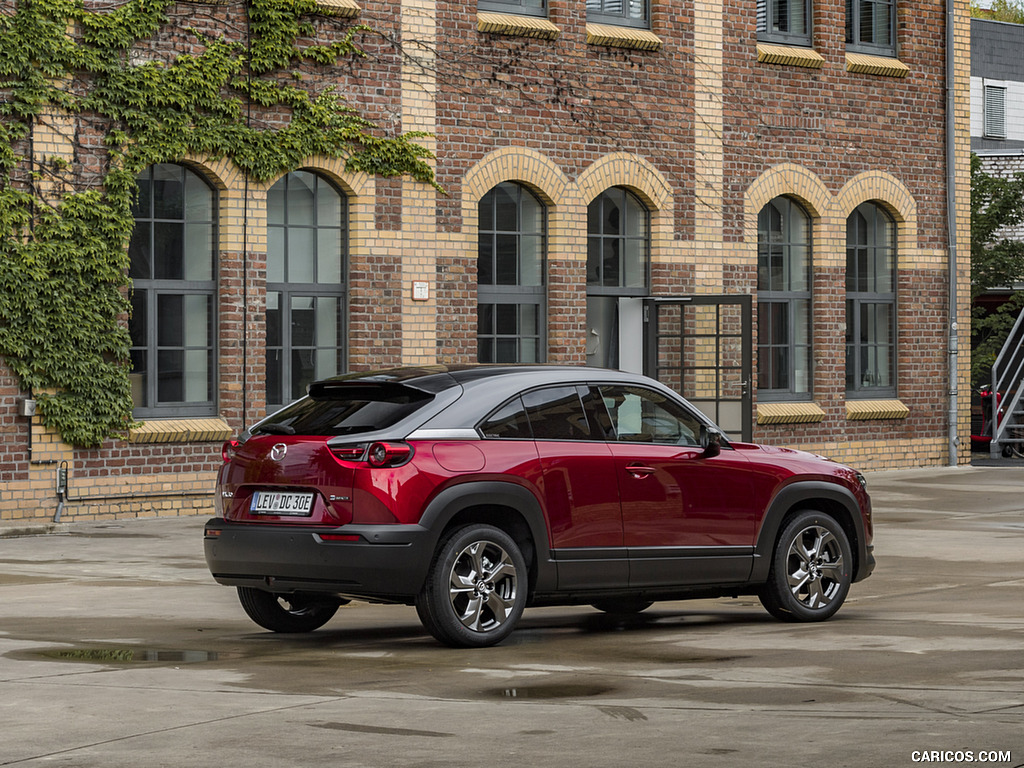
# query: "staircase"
x,y
1008,379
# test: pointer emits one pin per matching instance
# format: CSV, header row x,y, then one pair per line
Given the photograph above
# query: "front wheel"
x,y
286,613
811,566
475,591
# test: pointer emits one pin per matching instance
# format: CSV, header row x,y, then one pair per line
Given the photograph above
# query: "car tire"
x,y
475,590
811,568
286,613
623,606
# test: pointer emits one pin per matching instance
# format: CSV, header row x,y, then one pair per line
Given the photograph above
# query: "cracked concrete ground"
x,y
118,649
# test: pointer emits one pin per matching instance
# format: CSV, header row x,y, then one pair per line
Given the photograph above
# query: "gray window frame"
x,y
515,7
598,12
518,295
768,12
790,298
315,290
854,12
856,300
148,290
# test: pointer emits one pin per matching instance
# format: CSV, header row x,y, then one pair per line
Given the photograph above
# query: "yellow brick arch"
x,y
789,179
520,164
882,188
622,169
333,169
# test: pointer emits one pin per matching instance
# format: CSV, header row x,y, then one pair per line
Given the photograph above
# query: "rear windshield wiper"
x,y
274,429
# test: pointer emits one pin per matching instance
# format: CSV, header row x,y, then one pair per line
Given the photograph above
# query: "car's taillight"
x,y
229,449
382,454
388,454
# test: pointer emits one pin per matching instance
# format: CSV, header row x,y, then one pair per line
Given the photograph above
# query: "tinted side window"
x,y
641,415
556,413
508,421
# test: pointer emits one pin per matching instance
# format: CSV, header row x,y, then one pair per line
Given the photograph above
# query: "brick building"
x,y
746,199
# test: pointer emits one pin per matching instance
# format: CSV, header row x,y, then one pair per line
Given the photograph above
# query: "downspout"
x,y
954,373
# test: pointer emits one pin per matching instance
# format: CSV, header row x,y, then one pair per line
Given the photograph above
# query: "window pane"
x,y
505,260
509,421
275,254
328,256
274,319
170,382
301,253
328,205
199,251
275,377
505,198
327,330
300,198
506,317
556,413
197,375
168,245
140,251
636,263
169,318
198,199
168,192
303,321
506,351
485,259
276,202
197,321
531,258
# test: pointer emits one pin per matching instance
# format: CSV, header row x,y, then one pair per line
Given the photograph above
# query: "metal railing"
x,y
1007,379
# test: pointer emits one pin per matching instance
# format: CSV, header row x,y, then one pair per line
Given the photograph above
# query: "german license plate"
x,y
281,503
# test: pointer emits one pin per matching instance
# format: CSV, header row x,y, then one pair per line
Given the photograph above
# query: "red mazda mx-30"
x,y
474,492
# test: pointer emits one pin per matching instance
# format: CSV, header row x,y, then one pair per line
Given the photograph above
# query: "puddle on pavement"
x,y
127,655
547,692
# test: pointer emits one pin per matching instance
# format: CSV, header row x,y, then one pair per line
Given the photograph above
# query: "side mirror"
x,y
710,441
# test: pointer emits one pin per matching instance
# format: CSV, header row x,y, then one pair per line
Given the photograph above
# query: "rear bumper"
x,y
385,562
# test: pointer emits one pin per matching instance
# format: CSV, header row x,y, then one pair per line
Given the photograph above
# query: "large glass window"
x,y
307,238
521,7
174,294
629,13
870,302
783,301
871,26
784,21
618,255
510,276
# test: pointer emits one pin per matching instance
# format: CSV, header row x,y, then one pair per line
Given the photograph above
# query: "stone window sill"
x,y
519,26
622,37
866,64
794,56
343,8
861,410
788,413
181,431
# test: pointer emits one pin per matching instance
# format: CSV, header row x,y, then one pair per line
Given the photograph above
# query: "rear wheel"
x,y
286,613
475,591
810,573
623,605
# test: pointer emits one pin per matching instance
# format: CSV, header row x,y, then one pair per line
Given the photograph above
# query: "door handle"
x,y
639,471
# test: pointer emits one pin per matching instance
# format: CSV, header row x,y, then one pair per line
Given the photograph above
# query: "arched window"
x,y
174,294
510,276
307,244
870,303
618,256
783,301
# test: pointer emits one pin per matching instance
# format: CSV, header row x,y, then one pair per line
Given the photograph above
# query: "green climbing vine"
x,y
63,234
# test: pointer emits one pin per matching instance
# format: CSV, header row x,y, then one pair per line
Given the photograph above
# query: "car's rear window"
x,y
346,410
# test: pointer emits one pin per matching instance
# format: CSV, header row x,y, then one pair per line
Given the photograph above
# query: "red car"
x,y
474,492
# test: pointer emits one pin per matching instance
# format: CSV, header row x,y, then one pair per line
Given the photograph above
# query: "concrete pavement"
x,y
117,649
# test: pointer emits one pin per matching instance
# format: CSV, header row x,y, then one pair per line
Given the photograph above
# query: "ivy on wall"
x,y
63,238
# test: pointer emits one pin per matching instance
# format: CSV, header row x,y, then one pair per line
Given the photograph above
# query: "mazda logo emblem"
x,y
278,451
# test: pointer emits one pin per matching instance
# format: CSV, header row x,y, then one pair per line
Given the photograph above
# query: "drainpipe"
x,y
954,374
